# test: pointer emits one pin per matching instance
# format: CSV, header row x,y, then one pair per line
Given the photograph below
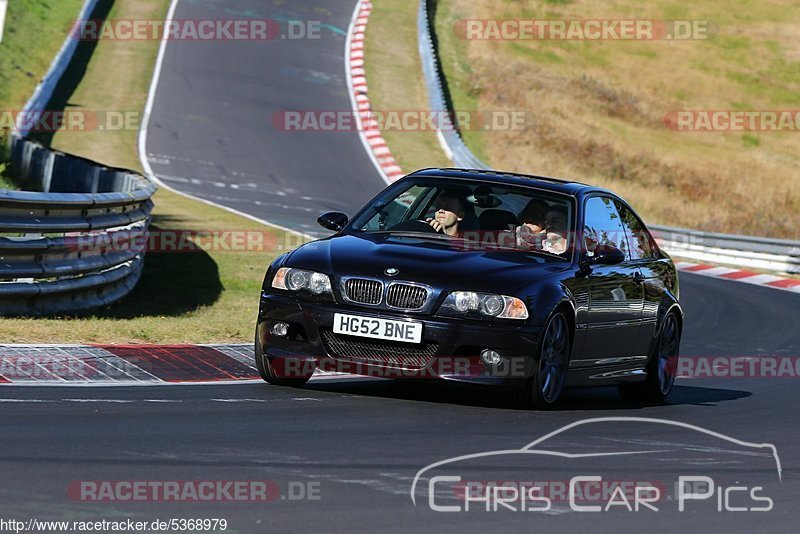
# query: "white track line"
x,y
131,383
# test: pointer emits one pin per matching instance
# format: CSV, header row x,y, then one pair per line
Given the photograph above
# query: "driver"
x,y
450,211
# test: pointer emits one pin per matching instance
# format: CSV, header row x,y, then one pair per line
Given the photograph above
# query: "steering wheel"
x,y
414,225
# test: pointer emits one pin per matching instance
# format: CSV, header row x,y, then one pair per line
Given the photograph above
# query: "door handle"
x,y
638,278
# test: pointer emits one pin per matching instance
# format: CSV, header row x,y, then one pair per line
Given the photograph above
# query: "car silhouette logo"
x,y
536,448
391,271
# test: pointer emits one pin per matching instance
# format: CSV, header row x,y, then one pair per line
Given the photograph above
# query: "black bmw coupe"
x,y
520,281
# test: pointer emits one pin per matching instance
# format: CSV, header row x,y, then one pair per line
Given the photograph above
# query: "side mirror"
x,y
607,255
332,220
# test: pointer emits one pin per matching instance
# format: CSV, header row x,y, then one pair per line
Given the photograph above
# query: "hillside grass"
x,y
203,296
596,109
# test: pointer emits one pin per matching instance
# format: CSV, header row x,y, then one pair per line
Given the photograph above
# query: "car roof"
x,y
511,178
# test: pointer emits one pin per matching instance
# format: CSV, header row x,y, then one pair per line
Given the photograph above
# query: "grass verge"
x,y
34,32
595,109
183,297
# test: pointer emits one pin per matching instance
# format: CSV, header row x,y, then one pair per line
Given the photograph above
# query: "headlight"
x,y
489,304
297,279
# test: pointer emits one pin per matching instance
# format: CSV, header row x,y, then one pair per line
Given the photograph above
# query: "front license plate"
x,y
354,325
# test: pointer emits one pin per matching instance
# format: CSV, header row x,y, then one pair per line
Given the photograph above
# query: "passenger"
x,y
530,232
555,230
450,211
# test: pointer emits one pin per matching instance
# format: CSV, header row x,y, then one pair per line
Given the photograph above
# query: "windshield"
x,y
479,214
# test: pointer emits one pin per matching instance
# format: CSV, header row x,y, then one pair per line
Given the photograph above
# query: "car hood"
x,y
439,263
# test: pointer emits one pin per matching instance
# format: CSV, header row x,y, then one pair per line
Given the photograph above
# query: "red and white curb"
x,y
132,365
739,275
368,127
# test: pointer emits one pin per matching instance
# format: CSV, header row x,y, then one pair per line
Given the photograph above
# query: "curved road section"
x,y
217,129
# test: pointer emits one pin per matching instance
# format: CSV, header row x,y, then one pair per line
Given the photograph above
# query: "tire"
x,y
661,367
267,373
543,389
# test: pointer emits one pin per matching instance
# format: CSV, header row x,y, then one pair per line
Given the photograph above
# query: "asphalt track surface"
x,y
359,442
213,130
362,441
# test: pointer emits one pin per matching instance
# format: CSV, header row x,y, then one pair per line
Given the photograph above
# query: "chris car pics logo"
x,y
589,466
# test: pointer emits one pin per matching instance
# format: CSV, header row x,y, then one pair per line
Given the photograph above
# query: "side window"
x,y
602,226
640,242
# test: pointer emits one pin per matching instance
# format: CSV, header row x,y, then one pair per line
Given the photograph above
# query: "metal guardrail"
x,y
745,251
58,245
449,137
777,255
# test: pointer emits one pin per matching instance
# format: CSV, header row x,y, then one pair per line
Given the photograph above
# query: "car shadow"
x,y
583,399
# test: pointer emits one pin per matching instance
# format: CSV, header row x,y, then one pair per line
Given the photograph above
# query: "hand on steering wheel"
x,y
436,225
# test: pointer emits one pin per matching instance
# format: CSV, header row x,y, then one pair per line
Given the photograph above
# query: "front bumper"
x,y
450,348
